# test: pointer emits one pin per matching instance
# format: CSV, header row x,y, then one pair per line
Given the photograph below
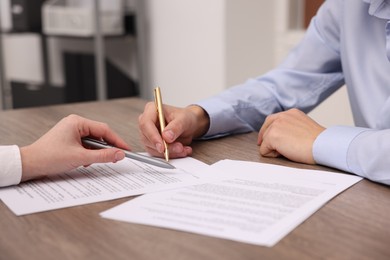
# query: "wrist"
x,y
30,169
202,120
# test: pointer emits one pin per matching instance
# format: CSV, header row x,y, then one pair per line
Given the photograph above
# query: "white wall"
x,y
335,110
249,39
184,46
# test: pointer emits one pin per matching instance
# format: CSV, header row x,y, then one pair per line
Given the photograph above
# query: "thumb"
x,y
173,130
169,135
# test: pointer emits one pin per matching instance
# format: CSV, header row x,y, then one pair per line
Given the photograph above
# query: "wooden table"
x,y
354,225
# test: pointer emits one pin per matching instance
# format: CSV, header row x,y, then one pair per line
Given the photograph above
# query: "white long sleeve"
x,y
11,165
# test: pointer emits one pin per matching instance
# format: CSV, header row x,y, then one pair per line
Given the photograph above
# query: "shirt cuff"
x,y
213,109
11,172
332,145
223,119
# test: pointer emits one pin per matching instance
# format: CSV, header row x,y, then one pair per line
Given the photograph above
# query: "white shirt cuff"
x,y
11,164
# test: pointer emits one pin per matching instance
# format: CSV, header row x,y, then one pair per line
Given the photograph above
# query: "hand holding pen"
x,y
182,126
100,144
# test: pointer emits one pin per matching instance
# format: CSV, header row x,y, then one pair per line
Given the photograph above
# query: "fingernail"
x,y
170,135
159,148
119,156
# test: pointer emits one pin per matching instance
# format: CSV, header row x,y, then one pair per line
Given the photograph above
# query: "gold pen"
x,y
161,119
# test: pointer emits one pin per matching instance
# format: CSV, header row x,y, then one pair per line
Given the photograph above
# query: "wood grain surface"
x,y
354,225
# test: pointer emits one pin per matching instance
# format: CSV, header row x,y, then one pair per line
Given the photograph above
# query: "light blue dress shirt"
x,y
348,42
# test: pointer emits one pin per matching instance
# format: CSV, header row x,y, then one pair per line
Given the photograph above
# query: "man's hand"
x,y
182,126
290,134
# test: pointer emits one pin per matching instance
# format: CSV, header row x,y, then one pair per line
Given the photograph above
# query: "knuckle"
x,y
105,126
72,117
104,156
141,121
149,105
295,111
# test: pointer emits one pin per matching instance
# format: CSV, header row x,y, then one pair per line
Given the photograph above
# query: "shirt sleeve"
x,y
310,73
354,149
11,165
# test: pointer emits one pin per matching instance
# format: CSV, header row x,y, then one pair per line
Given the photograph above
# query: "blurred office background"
x,y
52,51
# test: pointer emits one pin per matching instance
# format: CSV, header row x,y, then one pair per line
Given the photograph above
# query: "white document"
x,y
100,182
257,203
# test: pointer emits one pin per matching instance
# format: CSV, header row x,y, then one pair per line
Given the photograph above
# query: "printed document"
x,y
254,203
100,182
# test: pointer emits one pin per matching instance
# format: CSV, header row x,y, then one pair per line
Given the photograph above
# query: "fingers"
x,y
267,138
269,153
268,121
149,132
291,134
103,156
183,125
98,130
172,134
176,150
